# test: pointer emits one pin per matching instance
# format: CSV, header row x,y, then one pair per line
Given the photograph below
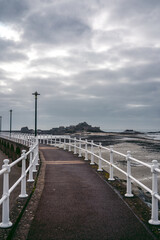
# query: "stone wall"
x,y
12,149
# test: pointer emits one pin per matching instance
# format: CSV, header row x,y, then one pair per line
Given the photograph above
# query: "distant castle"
x,y
81,127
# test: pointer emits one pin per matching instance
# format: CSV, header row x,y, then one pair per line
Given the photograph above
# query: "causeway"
x,y
77,204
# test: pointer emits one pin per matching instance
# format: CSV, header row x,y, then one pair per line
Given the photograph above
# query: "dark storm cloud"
x,y
54,28
12,11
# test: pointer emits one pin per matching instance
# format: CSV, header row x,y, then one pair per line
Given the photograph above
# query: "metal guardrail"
x,y
78,146
32,143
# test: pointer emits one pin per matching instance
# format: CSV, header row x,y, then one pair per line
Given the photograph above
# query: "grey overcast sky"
x,y
91,60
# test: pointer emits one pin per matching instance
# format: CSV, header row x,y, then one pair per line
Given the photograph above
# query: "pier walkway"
x,y
77,204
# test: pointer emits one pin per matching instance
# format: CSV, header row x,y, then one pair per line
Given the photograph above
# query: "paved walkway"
x,y
77,204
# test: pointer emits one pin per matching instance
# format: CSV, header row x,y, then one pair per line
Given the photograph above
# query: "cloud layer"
x,y
96,61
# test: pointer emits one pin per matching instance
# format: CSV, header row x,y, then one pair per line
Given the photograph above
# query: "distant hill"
x,y
80,127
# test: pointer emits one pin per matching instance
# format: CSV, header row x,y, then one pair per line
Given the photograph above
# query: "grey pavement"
x,y
77,204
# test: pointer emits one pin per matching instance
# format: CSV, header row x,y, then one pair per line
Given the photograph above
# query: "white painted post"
x,y
86,151
30,179
55,143
75,152
80,150
51,139
99,160
47,139
60,141
23,181
64,147
5,207
37,153
34,160
69,144
43,139
154,217
92,156
111,178
129,186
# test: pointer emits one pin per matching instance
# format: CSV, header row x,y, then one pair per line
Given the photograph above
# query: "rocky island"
x,y
81,127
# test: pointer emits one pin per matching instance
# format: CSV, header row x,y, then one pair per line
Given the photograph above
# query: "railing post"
x,y
111,178
69,144
99,160
154,217
34,160
86,151
23,181
75,152
60,141
129,186
55,142
92,156
80,150
64,146
30,179
5,207
43,140
51,139
37,155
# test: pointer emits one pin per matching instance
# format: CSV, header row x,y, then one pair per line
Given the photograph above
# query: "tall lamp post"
x,y
10,122
35,94
0,123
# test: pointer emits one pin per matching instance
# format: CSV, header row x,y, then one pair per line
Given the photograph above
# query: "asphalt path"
x,y
77,204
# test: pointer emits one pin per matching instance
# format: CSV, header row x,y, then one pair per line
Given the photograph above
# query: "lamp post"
x,y
35,94
0,123
10,122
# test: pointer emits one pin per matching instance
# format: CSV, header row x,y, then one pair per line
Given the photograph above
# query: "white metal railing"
x,y
79,146
33,155
25,139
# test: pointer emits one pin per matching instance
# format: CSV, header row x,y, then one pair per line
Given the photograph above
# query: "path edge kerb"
x,y
21,230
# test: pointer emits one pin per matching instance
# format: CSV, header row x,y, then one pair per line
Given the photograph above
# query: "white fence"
x,y
25,139
7,168
79,146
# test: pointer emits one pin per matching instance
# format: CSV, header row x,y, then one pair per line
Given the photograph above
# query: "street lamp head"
x,y
35,94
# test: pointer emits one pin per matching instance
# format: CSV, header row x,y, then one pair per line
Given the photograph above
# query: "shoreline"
x,y
141,148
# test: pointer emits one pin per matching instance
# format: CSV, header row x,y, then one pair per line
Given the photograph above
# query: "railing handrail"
x,y
82,145
31,142
119,153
